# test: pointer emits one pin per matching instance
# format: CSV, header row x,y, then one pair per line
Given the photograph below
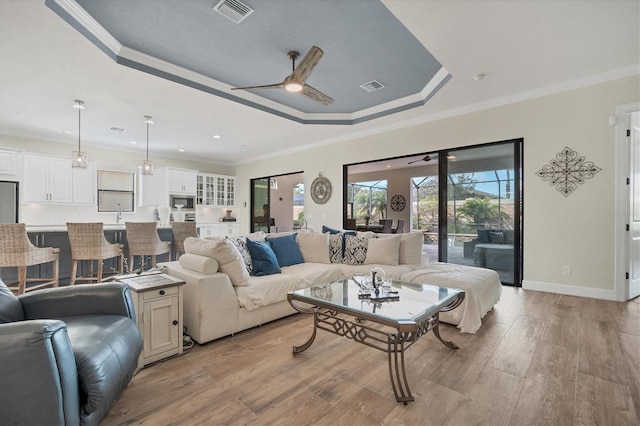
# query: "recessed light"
x,y
134,142
388,166
479,76
68,132
216,136
181,150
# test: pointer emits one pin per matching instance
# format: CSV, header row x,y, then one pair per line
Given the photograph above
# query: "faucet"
x,y
119,213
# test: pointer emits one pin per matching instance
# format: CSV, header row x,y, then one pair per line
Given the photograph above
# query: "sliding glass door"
x,y
482,209
277,203
467,203
260,215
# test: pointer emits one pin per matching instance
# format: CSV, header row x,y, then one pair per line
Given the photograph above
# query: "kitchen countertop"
x,y
63,228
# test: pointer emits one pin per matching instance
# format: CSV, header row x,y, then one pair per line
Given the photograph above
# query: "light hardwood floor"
x,y
539,358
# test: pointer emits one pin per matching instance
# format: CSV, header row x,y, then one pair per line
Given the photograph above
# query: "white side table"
x,y
158,303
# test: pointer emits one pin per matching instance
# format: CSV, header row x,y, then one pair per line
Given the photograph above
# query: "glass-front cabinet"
x,y
205,190
215,190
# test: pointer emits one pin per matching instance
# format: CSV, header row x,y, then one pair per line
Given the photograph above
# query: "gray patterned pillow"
x,y
355,249
241,245
335,248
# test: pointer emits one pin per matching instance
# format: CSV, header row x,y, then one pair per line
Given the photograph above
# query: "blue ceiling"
x,y
188,42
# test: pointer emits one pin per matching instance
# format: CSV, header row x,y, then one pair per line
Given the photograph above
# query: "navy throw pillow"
x,y
263,258
286,249
326,229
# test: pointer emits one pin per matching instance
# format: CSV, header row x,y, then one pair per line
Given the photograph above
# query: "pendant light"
x,y
147,166
79,158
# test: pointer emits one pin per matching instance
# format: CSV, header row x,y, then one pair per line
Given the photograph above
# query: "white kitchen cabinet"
x,y
152,189
158,304
206,189
47,179
229,229
85,185
205,231
181,181
216,190
222,229
8,164
225,191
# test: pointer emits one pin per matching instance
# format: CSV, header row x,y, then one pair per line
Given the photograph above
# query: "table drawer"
x,y
162,292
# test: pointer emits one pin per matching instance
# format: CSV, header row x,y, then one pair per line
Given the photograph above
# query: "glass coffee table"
x,y
391,320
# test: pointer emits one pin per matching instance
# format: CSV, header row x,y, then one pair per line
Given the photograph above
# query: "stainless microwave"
x,y
188,202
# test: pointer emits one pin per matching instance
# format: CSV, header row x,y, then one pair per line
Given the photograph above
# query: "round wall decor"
x,y
398,203
320,190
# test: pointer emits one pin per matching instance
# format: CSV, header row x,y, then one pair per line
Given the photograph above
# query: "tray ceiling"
x,y
190,43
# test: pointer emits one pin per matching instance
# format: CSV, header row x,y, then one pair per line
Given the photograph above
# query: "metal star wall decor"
x,y
567,170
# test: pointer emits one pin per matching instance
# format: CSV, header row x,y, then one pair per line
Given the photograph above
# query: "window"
x,y
367,200
115,191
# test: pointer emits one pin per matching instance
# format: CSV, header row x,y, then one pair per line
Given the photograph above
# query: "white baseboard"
x,y
570,290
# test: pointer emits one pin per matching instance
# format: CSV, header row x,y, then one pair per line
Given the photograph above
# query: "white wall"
x,y
558,230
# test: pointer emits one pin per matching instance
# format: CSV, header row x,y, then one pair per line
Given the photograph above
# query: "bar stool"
x,y
16,251
180,231
400,228
143,240
88,243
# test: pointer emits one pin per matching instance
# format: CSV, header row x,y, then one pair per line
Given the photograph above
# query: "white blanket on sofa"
x,y
482,291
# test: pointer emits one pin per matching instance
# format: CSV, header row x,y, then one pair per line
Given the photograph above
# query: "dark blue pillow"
x,y
286,249
263,258
484,235
326,229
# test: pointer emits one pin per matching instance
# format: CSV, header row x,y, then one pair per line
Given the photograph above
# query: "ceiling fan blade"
x,y
426,158
316,95
306,66
264,86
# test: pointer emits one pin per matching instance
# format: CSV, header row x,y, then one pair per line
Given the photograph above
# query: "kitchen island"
x,y
57,236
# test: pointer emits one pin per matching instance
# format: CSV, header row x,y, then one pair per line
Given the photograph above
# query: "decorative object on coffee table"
x,y
320,189
567,170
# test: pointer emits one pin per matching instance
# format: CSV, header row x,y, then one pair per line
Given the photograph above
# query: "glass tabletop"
x,y
406,301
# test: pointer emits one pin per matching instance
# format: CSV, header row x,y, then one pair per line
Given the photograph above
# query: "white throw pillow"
x,y
201,246
227,255
410,247
314,247
203,264
383,251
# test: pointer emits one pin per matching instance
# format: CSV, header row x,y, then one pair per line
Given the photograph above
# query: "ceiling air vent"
x,y
372,86
233,9
116,129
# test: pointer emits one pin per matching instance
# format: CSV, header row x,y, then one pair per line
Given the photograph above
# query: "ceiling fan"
x,y
425,158
296,81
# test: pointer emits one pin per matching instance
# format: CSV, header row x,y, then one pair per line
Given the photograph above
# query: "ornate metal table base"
x,y
394,341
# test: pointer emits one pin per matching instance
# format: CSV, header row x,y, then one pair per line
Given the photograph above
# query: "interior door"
x,y
634,204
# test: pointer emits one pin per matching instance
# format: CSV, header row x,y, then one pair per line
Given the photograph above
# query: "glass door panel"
x,y
425,216
260,205
481,208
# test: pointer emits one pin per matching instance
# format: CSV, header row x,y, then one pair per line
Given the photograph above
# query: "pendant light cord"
x,y
79,110
147,119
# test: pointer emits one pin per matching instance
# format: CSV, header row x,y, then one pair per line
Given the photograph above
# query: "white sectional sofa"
x,y
221,297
